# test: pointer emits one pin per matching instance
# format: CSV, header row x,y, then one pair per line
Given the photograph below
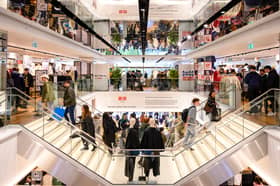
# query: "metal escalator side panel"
x,y
226,165
55,162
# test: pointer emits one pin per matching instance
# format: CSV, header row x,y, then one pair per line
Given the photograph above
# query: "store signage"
x,y
34,44
142,101
251,46
122,11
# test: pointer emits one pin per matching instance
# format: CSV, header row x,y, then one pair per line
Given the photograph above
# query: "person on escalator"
x,y
132,142
253,80
110,129
152,139
211,107
48,96
88,127
191,124
69,100
272,82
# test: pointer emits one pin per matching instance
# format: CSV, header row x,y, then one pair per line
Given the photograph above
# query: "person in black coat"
x,y
19,84
211,105
272,81
109,128
28,81
253,80
88,127
152,140
132,142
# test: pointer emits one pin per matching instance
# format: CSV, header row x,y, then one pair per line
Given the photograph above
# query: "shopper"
x,y
152,140
211,106
19,85
263,80
28,81
253,80
69,99
110,129
132,142
88,127
191,124
123,126
48,96
272,82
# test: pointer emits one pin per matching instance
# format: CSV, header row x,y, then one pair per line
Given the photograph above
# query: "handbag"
x,y
207,108
217,115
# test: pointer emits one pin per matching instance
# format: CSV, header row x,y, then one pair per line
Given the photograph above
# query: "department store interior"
x,y
147,92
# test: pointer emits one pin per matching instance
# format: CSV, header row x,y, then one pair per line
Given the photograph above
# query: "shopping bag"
x,y
217,115
58,113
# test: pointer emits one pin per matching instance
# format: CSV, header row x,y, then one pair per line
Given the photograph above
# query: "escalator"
x,y
233,144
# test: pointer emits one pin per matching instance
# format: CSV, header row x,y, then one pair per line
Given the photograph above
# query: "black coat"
x,y
88,127
272,80
253,79
29,78
132,140
152,139
109,131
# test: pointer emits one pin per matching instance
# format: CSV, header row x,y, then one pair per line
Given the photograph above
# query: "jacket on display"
x,y
69,97
152,140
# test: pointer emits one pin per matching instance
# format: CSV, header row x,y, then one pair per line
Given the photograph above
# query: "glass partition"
x,y
3,78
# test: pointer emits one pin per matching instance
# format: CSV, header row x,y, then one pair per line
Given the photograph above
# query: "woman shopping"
x,y
211,109
88,127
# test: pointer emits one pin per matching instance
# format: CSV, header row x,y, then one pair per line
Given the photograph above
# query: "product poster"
x,y
38,75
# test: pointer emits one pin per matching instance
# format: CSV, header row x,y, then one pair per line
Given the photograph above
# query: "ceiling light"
x,y
223,12
179,44
189,37
277,57
205,26
142,9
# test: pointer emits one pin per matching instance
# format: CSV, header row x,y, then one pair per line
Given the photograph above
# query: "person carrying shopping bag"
x,y
48,96
211,108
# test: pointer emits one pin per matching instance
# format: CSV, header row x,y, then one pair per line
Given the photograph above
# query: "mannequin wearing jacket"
x,y
152,140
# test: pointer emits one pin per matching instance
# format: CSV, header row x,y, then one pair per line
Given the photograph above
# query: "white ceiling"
x,y
159,9
136,61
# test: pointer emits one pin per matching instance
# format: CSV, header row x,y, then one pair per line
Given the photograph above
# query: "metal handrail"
x,y
69,125
80,132
206,135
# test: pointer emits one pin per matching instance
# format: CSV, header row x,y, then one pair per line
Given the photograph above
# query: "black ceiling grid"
x,y
143,6
71,15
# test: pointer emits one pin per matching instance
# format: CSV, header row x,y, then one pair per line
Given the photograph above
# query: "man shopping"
x,y
69,102
191,124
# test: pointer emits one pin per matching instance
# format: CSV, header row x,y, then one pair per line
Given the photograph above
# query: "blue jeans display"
x,y
70,110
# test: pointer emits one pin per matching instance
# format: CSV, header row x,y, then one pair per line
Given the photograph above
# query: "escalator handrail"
x,y
255,102
79,132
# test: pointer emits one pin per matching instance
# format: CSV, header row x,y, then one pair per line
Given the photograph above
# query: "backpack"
x,y
185,114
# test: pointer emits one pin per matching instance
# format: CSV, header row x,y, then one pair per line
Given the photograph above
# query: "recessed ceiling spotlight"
x,y
205,26
223,12
189,37
142,9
